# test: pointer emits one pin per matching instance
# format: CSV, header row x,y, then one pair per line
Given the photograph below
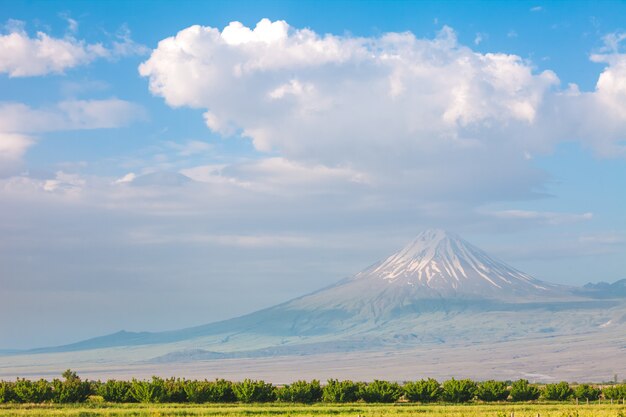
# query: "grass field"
x,y
353,410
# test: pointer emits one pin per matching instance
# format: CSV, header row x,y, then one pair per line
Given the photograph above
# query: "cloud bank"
x,y
389,100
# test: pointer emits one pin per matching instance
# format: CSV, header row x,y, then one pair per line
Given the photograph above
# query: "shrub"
x,y
249,391
301,392
522,390
586,392
614,392
27,391
380,392
458,391
557,392
148,391
116,391
424,391
7,392
492,391
340,391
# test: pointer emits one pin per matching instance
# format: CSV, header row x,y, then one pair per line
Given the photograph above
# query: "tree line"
x,y
72,389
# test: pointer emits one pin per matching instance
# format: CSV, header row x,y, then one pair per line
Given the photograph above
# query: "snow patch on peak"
x,y
442,261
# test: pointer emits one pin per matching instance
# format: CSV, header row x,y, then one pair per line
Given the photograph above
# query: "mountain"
x,y
605,289
437,272
439,264
439,290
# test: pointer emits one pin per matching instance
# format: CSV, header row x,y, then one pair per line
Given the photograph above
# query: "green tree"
x,y
301,392
218,391
222,392
148,391
424,391
340,391
71,390
7,392
27,391
586,392
380,392
557,392
116,391
458,391
614,392
175,390
522,390
197,391
249,391
492,391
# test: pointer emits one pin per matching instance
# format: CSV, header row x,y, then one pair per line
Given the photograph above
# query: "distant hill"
x,y
606,290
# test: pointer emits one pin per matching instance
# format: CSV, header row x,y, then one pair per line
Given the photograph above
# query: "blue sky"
x,y
225,170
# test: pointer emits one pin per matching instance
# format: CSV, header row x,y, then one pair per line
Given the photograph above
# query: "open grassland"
x,y
319,410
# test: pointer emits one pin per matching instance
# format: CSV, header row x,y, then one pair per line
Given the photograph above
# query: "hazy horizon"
x,y
169,165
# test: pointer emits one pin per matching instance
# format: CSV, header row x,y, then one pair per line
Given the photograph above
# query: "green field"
x,y
286,410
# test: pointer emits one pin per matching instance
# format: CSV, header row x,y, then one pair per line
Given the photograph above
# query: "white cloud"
x,y
124,45
542,217
72,24
64,183
18,123
415,111
128,178
24,56
158,237
68,115
607,238
612,42
282,171
393,100
279,176
190,148
12,147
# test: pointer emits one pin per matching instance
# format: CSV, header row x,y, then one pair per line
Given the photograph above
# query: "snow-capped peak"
x,y
441,260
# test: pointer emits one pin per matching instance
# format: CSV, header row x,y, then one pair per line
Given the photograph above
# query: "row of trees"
x,y
158,390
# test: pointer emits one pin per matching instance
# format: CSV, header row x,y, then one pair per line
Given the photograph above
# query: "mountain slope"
x,y
432,290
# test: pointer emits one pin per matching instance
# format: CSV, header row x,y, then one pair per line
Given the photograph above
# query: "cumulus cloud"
x,y
428,111
431,111
24,56
395,85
